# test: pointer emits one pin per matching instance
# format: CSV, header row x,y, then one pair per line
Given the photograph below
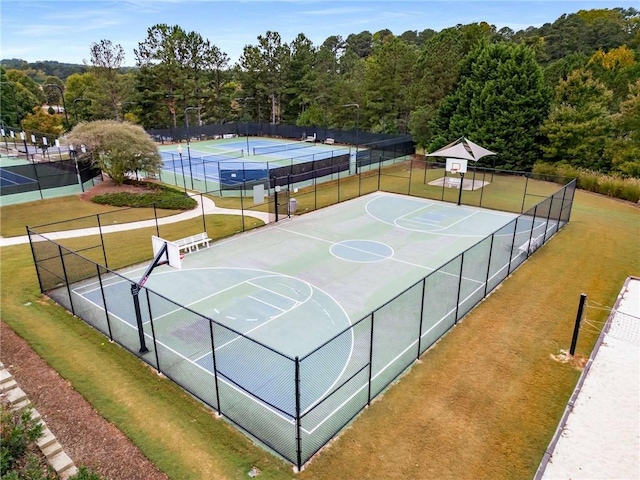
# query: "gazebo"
x,y
458,154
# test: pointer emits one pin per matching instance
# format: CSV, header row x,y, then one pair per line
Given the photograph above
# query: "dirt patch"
x,y
577,361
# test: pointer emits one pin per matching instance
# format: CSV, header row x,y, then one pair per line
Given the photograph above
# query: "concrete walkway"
x,y
209,209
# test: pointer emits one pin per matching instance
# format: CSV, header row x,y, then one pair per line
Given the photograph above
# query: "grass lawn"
x,y
483,403
42,212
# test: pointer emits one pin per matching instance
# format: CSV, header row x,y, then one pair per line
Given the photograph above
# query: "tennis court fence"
x,y
286,416
43,177
225,176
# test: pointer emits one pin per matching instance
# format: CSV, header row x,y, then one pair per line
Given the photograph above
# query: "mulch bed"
x,y
84,435
109,186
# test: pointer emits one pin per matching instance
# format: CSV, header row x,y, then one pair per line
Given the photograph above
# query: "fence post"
x,y
204,217
459,287
242,203
153,333
370,361
35,260
424,287
486,281
155,216
533,226
104,302
576,327
484,176
546,226
410,173
513,244
66,278
564,194
298,426
104,252
215,369
35,173
524,196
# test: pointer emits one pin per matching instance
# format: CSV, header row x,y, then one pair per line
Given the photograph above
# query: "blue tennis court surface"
x,y
8,178
232,162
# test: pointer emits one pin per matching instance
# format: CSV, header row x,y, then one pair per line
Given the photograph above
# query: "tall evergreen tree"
x,y
579,127
500,102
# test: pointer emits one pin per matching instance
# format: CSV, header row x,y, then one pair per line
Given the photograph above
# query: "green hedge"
x,y
605,184
162,195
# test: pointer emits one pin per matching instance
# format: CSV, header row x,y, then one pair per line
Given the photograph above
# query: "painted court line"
x,y
194,362
265,303
385,367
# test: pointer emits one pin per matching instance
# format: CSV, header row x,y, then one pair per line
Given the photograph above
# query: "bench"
x,y
532,245
193,243
329,141
311,138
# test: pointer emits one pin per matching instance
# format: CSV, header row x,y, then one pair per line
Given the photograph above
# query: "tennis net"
x,y
218,157
281,147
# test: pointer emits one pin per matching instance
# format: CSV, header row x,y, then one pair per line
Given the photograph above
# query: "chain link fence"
x,y
271,396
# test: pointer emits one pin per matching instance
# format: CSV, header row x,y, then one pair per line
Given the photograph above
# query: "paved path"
x,y
209,208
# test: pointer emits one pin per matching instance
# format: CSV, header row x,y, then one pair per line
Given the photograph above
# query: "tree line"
x,y
565,92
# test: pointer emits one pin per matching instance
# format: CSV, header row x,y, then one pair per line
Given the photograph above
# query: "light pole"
x,y
18,118
184,179
186,121
64,105
75,109
357,128
246,119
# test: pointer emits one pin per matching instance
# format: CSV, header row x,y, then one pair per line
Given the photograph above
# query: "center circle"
x,y
361,251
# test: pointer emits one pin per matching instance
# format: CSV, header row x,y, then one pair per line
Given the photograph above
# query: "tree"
x,y
117,147
106,60
79,90
500,102
360,43
299,92
388,78
16,100
579,126
617,69
43,122
436,72
265,71
624,150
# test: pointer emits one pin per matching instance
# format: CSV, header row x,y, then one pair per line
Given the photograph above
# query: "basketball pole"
x,y
461,184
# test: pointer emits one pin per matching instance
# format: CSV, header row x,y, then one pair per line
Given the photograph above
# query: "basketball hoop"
x,y
454,170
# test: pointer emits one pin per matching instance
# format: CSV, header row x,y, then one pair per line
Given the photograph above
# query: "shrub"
x,y
610,185
18,431
163,196
85,474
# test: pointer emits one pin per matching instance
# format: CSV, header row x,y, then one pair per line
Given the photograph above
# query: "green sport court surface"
x,y
294,285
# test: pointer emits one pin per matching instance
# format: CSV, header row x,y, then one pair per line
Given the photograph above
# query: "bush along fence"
x,y
287,416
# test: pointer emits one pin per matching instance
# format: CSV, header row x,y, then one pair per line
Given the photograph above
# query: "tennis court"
x,y
236,160
8,178
290,348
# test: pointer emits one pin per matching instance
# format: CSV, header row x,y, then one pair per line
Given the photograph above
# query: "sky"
x,y
63,30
